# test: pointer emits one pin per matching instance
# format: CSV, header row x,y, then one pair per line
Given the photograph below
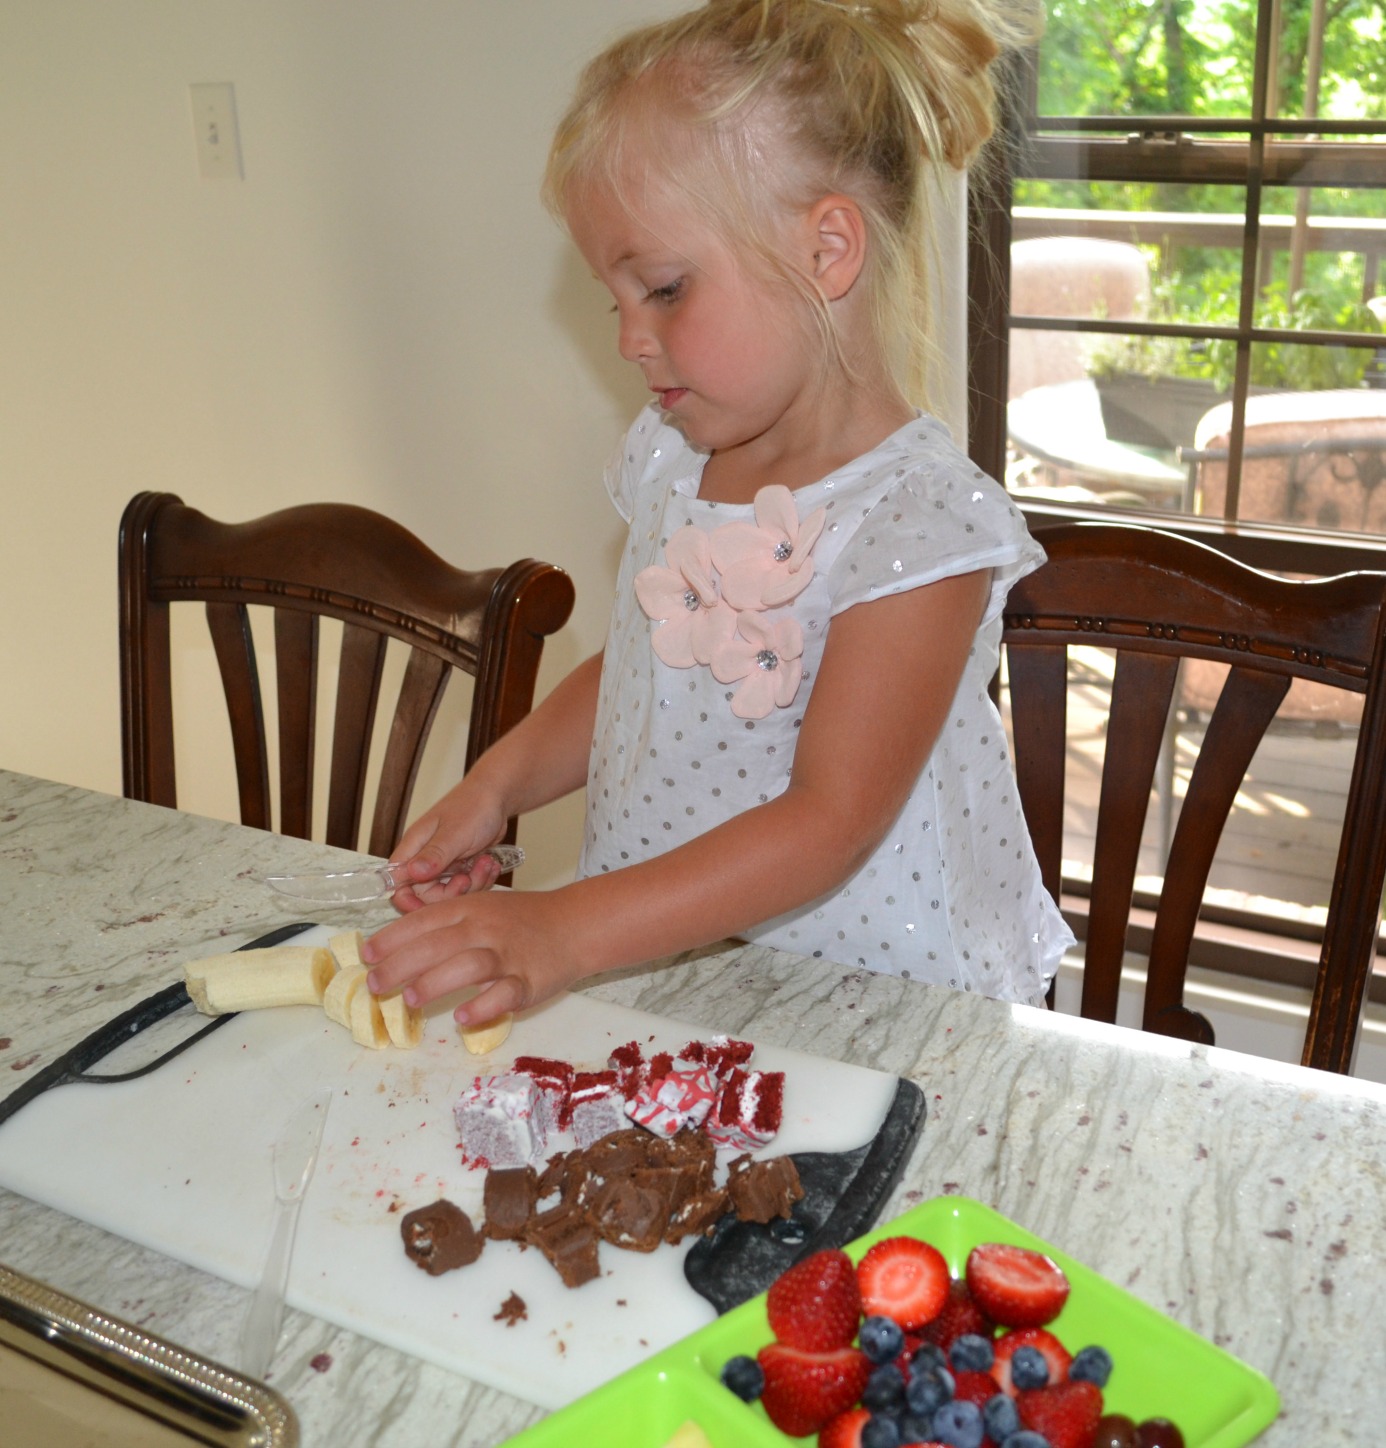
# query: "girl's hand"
x,y
516,946
460,826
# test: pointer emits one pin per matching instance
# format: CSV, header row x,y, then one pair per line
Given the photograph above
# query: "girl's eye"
x,y
667,293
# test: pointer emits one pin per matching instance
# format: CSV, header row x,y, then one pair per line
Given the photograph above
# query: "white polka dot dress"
x,y
953,894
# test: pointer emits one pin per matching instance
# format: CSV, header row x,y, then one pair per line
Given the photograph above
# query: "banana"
x,y
483,1039
689,1435
367,1023
245,980
346,947
341,990
404,1023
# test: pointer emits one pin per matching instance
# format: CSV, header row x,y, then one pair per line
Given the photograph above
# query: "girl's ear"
x,y
837,234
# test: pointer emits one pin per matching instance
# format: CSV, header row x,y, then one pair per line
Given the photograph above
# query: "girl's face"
x,y
731,357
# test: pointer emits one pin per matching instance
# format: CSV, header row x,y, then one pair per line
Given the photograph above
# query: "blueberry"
x,y
1000,1418
880,1432
881,1339
884,1390
959,1425
928,1355
971,1353
1025,1438
914,1429
744,1377
1092,1365
926,1392
1028,1368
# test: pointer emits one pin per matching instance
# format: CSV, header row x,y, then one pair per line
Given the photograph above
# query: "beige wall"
x,y
379,312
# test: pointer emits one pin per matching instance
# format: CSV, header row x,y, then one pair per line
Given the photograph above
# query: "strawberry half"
x,y
974,1387
844,1431
816,1304
1066,1414
960,1315
903,1278
1055,1354
805,1390
1014,1286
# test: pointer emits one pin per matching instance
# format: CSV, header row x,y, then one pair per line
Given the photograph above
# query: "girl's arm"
x,y
888,676
544,757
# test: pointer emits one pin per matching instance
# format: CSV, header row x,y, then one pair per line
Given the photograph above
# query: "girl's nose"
x,y
635,341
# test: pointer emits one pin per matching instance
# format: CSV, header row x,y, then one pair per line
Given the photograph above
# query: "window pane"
x,y
1321,262
1189,238
1333,64
1147,58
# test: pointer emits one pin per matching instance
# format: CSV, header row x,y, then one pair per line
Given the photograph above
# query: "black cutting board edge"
x,y
844,1192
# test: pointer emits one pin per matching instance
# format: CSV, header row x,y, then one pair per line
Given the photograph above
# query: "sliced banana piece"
x,y
483,1039
246,980
403,1022
367,1022
689,1435
346,948
341,990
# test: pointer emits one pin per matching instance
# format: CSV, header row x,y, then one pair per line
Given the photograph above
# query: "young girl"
x,y
787,736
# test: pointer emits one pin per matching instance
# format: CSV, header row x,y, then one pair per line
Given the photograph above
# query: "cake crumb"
x,y
512,1310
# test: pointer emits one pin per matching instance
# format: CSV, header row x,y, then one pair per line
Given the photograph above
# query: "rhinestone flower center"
x,y
767,659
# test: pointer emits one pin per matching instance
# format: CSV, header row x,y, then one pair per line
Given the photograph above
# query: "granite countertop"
x,y
1238,1195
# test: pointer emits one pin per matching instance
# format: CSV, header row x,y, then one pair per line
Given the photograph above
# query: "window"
x,y
1179,315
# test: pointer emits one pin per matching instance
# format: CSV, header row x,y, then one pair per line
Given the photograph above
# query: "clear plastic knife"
x,y
375,882
294,1157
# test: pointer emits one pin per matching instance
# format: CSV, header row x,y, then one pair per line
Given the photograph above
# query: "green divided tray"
x,y
1162,1369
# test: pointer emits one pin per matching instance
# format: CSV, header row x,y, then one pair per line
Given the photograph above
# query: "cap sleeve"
x,y
941,517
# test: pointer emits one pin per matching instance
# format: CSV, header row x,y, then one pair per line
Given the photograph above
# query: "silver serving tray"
x,y
75,1365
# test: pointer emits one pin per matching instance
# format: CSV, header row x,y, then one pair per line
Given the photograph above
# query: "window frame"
x,y
1266,151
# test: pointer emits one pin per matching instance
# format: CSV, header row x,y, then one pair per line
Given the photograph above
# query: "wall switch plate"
x,y
214,129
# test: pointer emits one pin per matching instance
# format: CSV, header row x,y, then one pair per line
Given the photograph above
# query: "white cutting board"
x,y
180,1161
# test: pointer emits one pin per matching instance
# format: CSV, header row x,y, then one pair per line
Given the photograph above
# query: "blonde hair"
x,y
766,105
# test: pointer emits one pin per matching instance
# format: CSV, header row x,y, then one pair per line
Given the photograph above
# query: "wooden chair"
x,y
322,560
1156,599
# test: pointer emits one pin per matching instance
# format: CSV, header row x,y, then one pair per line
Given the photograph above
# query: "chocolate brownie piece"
x,y
440,1237
509,1198
762,1190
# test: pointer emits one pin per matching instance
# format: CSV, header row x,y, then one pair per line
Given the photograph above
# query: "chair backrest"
x,y
322,560
1156,599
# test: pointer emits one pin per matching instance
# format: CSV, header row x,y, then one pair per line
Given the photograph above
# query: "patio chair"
x,y
308,563
1069,276
1157,599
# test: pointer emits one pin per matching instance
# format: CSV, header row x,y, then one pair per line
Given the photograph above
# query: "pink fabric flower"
x,y
683,598
765,657
768,562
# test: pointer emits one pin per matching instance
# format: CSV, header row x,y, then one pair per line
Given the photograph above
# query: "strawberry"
x,y
844,1431
1066,1413
804,1390
816,1304
960,1315
1055,1354
1014,1286
972,1387
903,1278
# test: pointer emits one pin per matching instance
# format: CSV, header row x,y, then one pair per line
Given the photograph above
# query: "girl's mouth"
x,y
669,396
